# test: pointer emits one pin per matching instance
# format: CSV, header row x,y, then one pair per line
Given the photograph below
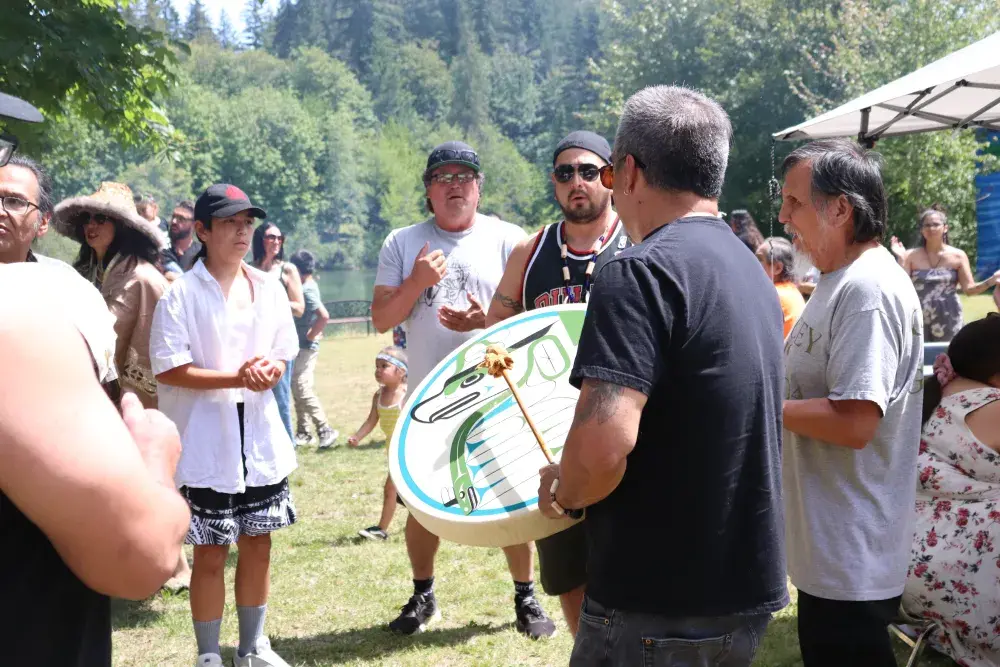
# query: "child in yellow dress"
x,y
390,373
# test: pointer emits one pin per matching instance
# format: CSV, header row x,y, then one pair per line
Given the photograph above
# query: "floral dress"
x,y
954,573
938,292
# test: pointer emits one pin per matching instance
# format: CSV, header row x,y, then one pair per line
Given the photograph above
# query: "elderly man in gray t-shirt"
x,y
852,410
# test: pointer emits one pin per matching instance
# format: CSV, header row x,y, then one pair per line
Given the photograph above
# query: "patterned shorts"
x,y
220,518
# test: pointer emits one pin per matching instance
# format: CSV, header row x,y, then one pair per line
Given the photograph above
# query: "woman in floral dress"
x,y
938,270
954,574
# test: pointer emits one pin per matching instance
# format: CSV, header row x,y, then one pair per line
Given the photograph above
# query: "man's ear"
x,y
43,225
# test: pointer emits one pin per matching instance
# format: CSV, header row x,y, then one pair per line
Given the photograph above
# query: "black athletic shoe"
x,y
417,614
531,618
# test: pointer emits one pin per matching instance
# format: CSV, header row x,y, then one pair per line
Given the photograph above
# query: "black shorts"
x,y
562,560
219,519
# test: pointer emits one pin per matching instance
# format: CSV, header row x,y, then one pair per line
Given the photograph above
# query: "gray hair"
x,y
681,136
780,250
842,167
45,202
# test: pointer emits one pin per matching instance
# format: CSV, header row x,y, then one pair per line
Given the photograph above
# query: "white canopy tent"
x,y
959,91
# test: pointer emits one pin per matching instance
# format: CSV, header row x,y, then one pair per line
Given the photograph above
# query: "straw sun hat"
x,y
113,200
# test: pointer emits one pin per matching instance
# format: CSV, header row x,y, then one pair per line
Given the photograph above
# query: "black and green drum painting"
x,y
463,458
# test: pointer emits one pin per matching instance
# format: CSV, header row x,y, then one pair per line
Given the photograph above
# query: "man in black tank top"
x,y
557,265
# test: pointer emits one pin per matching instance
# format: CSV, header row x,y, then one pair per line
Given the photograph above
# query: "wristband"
x,y
572,514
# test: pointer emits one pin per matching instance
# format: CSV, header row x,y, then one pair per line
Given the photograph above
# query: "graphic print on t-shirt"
x,y
460,279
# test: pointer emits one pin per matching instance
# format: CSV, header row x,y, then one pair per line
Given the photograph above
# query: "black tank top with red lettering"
x,y
543,283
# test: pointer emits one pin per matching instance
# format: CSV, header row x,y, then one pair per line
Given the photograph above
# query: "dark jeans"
x,y
608,637
838,633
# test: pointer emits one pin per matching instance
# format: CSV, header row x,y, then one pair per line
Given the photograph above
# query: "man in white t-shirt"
x,y
852,410
435,276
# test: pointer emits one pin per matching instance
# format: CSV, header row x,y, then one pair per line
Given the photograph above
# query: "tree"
x,y
66,56
198,26
228,39
259,30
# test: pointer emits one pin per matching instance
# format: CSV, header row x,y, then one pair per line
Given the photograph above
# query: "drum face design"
x,y
463,458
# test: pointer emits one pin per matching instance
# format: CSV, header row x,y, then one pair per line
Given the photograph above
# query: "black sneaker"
x,y
416,615
531,618
374,533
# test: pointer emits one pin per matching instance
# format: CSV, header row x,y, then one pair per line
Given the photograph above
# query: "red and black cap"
x,y
222,201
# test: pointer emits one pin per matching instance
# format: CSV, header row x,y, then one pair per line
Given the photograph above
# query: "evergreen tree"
x,y
198,25
259,22
226,35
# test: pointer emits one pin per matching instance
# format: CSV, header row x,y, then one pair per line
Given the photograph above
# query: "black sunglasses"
x,y
564,172
449,155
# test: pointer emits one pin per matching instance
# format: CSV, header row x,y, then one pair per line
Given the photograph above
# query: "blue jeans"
x,y
283,395
608,637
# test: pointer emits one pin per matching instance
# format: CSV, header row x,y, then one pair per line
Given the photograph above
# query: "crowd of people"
x,y
776,426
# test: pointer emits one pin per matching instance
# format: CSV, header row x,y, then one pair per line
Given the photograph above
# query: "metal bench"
x,y
922,627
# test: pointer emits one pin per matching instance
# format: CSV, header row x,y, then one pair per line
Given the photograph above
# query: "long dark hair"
x,y
937,210
128,241
257,245
974,355
743,225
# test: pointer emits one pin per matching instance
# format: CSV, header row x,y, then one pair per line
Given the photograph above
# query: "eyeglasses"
x,y
273,237
445,179
182,218
608,173
8,144
933,225
16,205
97,218
564,173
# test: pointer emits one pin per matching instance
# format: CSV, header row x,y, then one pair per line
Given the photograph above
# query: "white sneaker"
x,y
327,437
262,656
209,660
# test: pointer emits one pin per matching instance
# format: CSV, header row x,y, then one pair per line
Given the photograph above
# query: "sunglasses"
x,y
449,155
608,173
564,173
98,218
445,179
8,144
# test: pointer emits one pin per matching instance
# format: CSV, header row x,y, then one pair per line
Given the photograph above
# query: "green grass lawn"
x,y
332,595
976,307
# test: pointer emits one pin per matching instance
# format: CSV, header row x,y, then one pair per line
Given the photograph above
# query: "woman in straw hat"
x,y
119,251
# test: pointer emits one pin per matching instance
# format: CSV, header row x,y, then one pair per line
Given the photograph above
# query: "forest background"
x,y
324,110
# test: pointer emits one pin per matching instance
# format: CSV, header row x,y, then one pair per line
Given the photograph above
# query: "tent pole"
x,y
863,137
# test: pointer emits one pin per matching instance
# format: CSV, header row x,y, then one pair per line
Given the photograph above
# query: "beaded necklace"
x,y
594,251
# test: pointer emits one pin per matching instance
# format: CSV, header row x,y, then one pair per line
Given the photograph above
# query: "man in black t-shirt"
x,y
675,447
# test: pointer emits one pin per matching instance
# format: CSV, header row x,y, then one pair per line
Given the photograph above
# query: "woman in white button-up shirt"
x,y
220,341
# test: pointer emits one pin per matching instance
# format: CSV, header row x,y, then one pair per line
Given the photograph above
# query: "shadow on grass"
x,y
133,613
351,540
375,642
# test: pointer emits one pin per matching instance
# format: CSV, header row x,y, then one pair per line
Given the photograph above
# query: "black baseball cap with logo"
x,y
222,201
453,152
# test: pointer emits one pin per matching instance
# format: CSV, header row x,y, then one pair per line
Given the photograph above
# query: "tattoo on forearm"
x,y
508,302
600,403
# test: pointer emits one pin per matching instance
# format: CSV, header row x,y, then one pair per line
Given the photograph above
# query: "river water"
x,y
346,284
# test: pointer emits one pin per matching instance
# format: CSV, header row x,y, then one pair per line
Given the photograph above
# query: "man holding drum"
x,y
547,269
677,431
434,276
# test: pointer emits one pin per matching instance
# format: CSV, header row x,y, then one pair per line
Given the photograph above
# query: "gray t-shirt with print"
x,y
476,259
849,513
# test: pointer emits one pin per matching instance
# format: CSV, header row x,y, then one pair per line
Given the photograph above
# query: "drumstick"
x,y
497,362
